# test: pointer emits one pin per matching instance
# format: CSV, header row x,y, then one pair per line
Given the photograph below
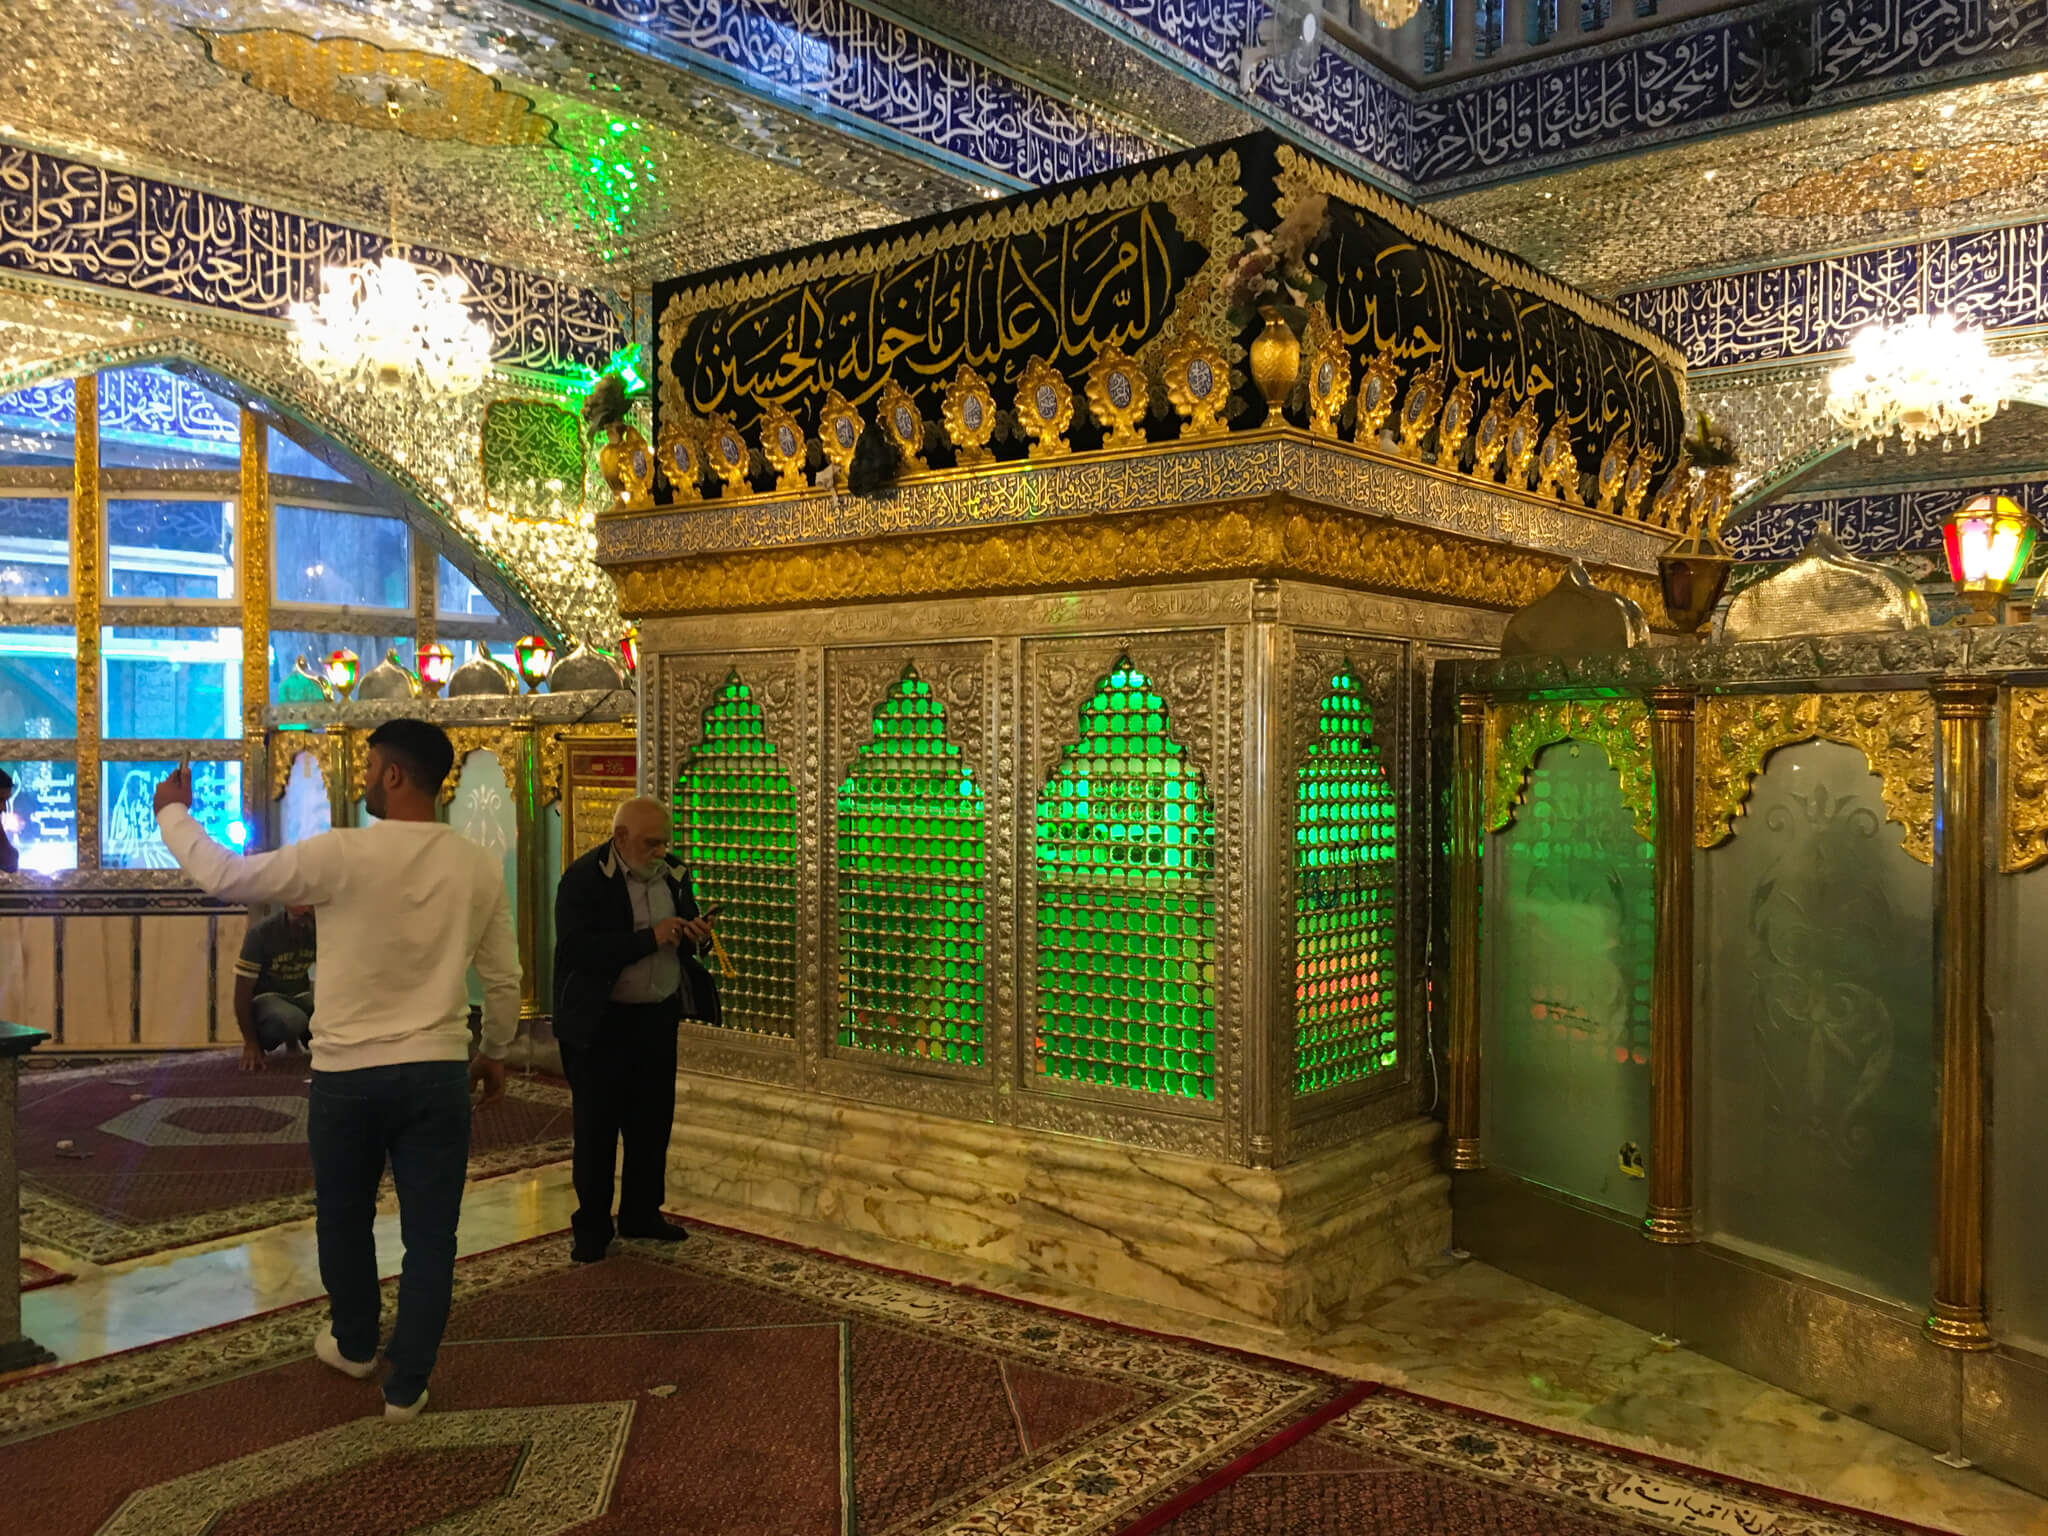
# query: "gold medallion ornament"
x,y
1637,485
1376,390
902,425
1329,386
783,446
1419,409
1613,470
839,430
1045,409
1117,397
728,453
681,451
969,414
1198,384
1492,436
627,464
1452,425
1557,466
1522,444
1668,510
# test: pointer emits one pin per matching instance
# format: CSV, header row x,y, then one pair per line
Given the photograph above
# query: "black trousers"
x,y
624,1086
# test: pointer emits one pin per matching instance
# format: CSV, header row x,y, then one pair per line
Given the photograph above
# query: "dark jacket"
x,y
595,940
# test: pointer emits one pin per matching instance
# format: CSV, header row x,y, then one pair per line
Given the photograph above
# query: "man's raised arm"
x,y
297,875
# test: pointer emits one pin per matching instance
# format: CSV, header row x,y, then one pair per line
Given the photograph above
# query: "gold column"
x,y
1263,1092
1962,711
256,567
87,519
1468,781
426,593
1671,978
522,777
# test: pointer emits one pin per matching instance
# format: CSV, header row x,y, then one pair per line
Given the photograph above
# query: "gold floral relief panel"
x,y
1517,730
2024,834
1893,730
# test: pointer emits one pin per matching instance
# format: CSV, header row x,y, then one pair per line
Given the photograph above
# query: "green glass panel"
x,y
909,839
1345,1016
1565,1029
735,822
1126,903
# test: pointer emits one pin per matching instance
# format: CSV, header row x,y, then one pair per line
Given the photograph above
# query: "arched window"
x,y
911,822
1345,1013
735,825
1126,903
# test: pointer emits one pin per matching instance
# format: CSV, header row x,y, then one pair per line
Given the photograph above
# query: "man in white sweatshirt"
x,y
405,907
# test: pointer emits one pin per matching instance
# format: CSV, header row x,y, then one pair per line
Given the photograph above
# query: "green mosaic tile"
x,y
735,825
1346,1019
909,846
1126,904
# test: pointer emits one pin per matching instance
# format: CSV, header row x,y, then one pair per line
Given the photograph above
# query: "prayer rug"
x,y
34,1275
1395,1463
149,1153
722,1386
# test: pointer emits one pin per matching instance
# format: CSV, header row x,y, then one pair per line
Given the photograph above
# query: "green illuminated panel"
x,y
735,825
1345,1024
1126,908
910,915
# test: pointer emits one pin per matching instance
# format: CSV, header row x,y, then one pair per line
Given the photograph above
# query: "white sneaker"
x,y
327,1352
393,1414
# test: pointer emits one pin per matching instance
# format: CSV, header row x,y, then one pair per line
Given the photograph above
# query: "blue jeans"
x,y
416,1114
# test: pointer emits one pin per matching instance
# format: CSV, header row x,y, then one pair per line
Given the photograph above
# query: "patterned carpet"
x,y
140,1155
733,1385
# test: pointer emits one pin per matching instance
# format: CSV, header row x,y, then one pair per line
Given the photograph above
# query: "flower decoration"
x,y
1276,268
1713,448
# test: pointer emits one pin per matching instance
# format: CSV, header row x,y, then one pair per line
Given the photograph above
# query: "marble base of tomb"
x,y
1288,1249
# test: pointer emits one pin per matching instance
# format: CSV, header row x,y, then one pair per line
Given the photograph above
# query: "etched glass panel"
x,y
152,418
342,558
38,683
1126,903
1565,1035
35,542
735,825
42,817
1345,1025
171,684
128,835
457,595
38,424
483,812
2016,1278
1818,1039
306,810
909,842
171,550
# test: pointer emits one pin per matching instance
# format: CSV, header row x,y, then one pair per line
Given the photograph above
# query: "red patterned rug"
x,y
140,1155
34,1275
737,1387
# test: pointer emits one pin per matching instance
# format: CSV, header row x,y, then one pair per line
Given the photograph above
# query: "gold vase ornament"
x,y
1276,359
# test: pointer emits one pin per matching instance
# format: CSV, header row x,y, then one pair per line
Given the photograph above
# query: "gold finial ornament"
x,y
1045,409
1419,408
1276,359
1117,397
839,430
1557,466
1491,439
969,414
1453,424
1329,386
1674,496
783,446
681,451
727,450
1613,470
897,415
1637,485
1522,442
1198,384
1377,387
627,464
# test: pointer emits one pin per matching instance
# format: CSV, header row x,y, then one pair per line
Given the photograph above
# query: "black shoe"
x,y
581,1252
660,1230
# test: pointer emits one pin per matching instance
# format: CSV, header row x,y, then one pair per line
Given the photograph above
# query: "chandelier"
x,y
1925,377
388,323
1391,13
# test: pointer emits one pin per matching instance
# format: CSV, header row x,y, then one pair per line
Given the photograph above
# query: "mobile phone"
x,y
711,911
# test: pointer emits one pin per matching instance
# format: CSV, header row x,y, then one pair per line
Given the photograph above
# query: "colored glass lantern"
x,y
535,658
341,667
629,649
437,665
1989,540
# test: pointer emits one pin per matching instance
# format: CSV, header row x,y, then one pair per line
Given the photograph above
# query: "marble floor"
x,y
1461,1331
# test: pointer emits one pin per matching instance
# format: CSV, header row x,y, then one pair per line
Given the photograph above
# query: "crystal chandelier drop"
x,y
1391,13
1925,377
387,324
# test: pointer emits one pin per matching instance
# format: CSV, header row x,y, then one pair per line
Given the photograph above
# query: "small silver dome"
x,y
483,674
389,679
1574,618
585,669
1826,591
